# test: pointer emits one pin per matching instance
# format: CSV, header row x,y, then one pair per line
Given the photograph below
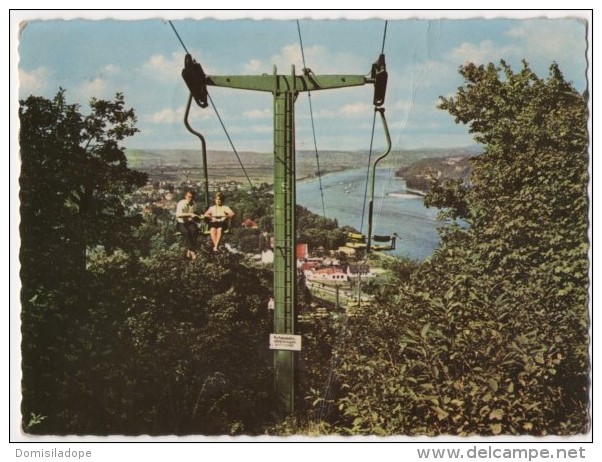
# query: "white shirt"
x,y
220,211
183,207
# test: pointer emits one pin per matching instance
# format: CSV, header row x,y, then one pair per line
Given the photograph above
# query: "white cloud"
x,y
102,82
261,129
356,109
334,110
96,88
110,69
164,116
288,54
258,114
253,66
164,67
550,37
319,59
33,82
175,116
562,41
480,53
245,129
539,42
401,105
320,113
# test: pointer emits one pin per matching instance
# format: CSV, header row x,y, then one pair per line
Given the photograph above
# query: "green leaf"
x,y
449,294
496,429
496,414
441,414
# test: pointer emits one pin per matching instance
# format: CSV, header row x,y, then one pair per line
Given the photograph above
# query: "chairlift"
x,y
379,243
385,242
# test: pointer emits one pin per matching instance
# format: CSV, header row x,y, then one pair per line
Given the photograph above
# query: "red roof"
x,y
248,223
301,251
307,265
331,270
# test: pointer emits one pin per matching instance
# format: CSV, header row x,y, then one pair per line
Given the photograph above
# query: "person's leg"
x,y
214,236
194,232
192,238
189,234
218,236
185,237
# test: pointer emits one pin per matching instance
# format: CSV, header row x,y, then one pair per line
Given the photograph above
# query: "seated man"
x,y
185,217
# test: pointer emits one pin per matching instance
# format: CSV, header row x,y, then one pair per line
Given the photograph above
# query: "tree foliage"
x,y
160,346
195,340
120,334
73,178
319,231
491,335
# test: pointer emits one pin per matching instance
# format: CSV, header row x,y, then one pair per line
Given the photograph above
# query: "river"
x,y
395,210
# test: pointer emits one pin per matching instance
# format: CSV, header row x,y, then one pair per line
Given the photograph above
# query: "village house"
x,y
358,270
330,274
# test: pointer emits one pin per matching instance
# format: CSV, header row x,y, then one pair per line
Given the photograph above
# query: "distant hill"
x,y
259,165
147,158
417,175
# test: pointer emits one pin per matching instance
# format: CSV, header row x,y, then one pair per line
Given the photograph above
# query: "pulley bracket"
x,y
196,80
380,76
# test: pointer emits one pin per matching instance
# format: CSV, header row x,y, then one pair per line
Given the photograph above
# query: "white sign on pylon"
x,y
285,342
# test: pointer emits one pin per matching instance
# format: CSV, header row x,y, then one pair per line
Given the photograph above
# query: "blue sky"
x,y
143,59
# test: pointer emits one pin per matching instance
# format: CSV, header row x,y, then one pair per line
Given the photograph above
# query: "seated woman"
x,y
219,215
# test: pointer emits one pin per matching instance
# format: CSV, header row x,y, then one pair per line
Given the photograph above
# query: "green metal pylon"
x,y
285,89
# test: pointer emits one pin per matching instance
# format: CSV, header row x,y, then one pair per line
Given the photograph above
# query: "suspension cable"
x,y
179,38
230,140
313,127
368,172
433,36
341,341
382,50
217,113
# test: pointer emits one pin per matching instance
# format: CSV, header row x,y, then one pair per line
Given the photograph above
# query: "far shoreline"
x,y
416,192
307,179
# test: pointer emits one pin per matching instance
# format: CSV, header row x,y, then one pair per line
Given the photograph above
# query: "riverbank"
x,y
395,210
417,192
325,174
